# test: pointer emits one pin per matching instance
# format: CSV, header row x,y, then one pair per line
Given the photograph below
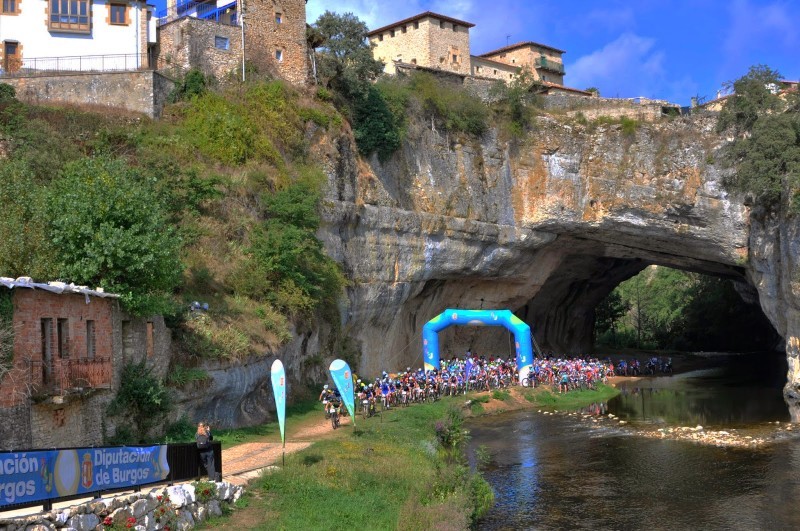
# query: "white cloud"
x,y
758,31
629,66
756,26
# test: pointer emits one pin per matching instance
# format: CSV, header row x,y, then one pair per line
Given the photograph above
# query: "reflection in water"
x,y
740,393
553,472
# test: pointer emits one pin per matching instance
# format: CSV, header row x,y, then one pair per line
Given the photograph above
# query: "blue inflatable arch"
x,y
450,317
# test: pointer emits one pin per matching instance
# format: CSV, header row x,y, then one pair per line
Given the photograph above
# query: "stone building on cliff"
x,y
208,35
433,41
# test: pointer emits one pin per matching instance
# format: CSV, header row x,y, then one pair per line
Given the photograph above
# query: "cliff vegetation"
x,y
215,203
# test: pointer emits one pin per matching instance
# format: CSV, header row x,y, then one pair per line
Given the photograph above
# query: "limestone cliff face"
x,y
546,227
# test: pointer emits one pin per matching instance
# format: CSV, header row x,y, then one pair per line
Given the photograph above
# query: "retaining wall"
x,y
143,92
176,506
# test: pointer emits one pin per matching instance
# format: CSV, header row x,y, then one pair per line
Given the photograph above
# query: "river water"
x,y
565,472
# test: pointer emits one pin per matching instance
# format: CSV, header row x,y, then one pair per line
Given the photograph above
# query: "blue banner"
x,y
41,475
343,378
279,390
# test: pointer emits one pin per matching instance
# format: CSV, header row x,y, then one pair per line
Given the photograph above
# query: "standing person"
x,y
203,439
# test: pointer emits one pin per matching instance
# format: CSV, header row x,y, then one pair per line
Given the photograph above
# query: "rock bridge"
x,y
546,226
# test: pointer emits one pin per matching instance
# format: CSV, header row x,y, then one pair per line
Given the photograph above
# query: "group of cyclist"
x,y
478,373
653,366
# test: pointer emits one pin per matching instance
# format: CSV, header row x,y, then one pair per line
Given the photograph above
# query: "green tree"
x,y
24,246
608,314
518,99
287,263
344,60
765,152
142,402
110,229
375,127
752,98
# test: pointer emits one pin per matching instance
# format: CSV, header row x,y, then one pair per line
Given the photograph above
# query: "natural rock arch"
x,y
545,227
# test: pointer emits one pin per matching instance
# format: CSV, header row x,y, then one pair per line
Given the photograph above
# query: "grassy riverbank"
x,y
404,470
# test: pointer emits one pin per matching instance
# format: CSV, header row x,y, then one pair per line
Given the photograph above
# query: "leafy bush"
x,y
501,394
193,84
459,110
7,93
141,400
375,127
221,130
24,214
765,153
293,271
109,229
517,101
182,430
450,431
205,491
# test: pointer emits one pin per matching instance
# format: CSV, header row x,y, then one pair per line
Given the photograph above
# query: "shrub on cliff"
x,y
110,229
286,264
765,152
458,110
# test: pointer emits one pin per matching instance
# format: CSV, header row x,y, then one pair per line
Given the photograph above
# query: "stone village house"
x,y
69,346
124,54
438,42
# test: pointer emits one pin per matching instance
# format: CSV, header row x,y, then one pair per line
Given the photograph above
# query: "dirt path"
x,y
243,462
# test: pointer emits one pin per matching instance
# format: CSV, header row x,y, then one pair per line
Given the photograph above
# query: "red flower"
x,y
159,497
108,521
131,520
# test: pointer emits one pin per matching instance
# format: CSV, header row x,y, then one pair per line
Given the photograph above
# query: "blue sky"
x,y
654,48
668,49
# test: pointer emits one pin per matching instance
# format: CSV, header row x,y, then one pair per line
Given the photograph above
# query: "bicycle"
x,y
335,417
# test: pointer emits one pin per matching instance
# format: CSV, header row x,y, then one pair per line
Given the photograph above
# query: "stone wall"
x,y
140,92
493,69
275,33
72,420
592,107
479,86
211,47
446,40
15,429
186,508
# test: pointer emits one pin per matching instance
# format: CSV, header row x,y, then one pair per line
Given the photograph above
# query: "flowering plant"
x,y
109,524
205,491
165,514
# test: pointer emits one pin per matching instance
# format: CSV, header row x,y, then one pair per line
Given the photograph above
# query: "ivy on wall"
x,y
6,330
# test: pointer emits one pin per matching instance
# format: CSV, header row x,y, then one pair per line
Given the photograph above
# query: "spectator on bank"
x,y
203,439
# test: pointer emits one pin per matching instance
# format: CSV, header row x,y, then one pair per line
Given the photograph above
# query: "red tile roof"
x,y
567,89
418,17
520,45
